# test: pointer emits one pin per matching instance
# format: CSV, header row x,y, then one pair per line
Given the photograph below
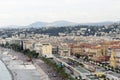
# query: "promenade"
x,y
19,67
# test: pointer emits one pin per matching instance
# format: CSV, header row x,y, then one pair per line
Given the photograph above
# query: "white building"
x,y
38,47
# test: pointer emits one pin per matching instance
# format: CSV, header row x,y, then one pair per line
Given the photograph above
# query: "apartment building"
x,y
46,50
64,49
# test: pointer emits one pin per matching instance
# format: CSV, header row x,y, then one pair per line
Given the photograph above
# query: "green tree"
x,y
77,55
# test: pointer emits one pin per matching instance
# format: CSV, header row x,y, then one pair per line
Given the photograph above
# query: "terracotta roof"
x,y
115,47
115,42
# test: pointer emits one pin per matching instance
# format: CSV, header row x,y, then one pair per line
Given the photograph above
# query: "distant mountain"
x,y
63,23
53,24
66,23
38,24
59,24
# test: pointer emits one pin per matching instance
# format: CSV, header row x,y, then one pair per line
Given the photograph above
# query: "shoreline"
x,y
18,67
10,72
14,66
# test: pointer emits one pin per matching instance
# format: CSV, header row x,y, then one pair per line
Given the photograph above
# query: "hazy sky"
x,y
24,12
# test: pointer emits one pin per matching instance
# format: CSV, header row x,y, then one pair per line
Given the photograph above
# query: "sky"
x,y
24,12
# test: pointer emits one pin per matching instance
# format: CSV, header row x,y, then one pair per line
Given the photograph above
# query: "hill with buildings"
x,y
112,30
84,30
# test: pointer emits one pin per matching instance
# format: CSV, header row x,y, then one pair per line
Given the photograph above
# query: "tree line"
x,y
18,48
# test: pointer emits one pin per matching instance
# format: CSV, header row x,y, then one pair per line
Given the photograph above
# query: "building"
x,y
22,35
3,41
115,55
46,50
64,49
77,49
38,47
28,44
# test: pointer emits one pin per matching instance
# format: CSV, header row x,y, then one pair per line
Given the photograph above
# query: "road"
x,y
44,72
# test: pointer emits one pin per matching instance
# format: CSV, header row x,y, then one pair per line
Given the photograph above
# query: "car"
x,y
54,75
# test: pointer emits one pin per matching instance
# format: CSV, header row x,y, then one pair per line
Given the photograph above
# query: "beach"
x,y
18,68
4,72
